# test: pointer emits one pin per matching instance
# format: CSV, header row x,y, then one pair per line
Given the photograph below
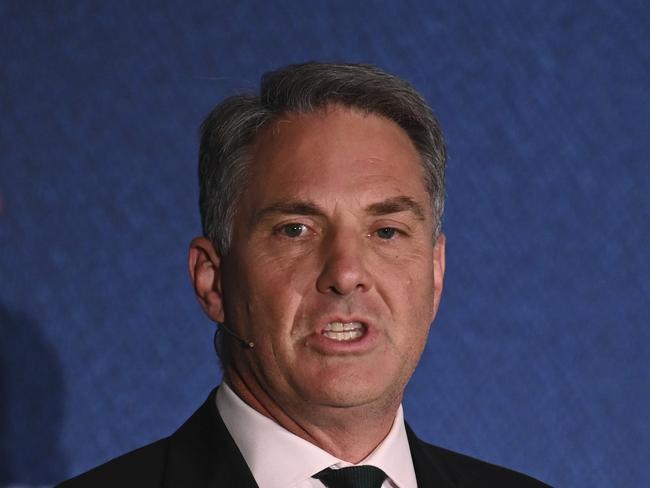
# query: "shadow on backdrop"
x,y
31,406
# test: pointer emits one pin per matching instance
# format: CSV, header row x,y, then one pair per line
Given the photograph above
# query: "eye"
x,y
386,232
293,229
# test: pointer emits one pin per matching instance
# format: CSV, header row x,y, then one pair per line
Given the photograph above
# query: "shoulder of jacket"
x,y
143,467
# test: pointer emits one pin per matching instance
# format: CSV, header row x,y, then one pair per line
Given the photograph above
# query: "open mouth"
x,y
344,331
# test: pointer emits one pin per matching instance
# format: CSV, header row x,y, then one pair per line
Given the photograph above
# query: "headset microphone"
x,y
244,342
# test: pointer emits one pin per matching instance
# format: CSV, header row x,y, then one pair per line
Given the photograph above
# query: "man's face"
x,y
333,272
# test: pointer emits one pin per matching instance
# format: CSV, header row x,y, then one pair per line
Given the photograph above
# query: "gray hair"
x,y
229,132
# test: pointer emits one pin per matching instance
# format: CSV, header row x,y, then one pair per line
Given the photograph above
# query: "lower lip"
x,y
327,346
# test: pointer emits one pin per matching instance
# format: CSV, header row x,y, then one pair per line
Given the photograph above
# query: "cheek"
x,y
408,291
276,295
408,280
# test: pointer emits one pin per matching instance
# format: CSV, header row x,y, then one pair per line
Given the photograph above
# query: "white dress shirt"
x,y
279,459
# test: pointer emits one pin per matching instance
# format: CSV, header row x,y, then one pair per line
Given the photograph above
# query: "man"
x,y
323,261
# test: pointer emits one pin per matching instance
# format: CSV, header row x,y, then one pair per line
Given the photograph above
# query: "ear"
x,y
438,271
205,272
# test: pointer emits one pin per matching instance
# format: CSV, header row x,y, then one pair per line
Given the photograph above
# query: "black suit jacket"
x,y
203,454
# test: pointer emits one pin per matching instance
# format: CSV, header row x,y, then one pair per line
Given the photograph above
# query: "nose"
x,y
344,268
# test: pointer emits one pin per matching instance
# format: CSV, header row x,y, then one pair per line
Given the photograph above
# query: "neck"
x,y
349,433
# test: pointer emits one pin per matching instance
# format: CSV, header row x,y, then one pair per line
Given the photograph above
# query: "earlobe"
x,y
438,270
439,256
204,265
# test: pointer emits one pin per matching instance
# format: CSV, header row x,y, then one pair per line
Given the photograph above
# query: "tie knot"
x,y
352,477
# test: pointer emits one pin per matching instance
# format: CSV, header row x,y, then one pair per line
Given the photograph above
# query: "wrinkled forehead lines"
x,y
330,121
274,127
275,151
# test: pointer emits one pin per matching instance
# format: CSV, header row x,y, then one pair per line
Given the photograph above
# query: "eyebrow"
x,y
396,205
305,207
299,207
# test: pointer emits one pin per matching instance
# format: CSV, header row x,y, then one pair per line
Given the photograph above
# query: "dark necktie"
x,y
352,477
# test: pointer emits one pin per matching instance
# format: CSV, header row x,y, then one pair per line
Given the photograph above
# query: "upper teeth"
x,y
343,326
343,331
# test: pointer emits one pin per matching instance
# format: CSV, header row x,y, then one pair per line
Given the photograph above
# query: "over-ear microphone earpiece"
x,y
244,342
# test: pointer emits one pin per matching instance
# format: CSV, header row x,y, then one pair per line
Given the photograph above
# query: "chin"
x,y
347,391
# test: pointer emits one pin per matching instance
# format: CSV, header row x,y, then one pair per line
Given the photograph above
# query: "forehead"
x,y
334,154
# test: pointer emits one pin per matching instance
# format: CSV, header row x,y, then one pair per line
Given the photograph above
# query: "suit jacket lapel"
x,y
203,454
429,470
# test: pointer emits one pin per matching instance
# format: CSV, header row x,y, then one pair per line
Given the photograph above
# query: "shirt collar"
x,y
278,458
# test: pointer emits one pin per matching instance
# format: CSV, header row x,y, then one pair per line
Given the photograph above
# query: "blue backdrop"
x,y
539,357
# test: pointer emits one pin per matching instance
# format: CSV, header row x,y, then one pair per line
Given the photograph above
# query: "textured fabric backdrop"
x,y
539,357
